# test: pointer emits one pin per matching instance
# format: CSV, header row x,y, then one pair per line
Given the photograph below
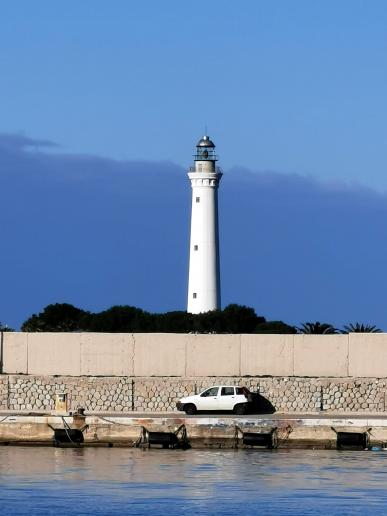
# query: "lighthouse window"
x,y
197,199
194,295
196,247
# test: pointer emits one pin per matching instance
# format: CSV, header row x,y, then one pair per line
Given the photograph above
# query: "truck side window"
x,y
227,391
210,392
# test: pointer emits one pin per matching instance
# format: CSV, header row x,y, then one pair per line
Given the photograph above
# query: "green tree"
x,y
56,317
208,322
272,327
120,319
240,319
317,328
174,322
360,328
129,319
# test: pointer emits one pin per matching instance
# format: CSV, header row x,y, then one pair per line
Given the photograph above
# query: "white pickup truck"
x,y
219,398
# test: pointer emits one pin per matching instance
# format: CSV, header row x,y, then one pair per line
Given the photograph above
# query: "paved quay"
x,y
200,415
318,430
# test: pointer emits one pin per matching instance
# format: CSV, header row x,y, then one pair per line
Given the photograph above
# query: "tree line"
x,y
233,318
122,319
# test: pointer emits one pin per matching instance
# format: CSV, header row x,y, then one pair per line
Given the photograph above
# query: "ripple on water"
x,y
245,482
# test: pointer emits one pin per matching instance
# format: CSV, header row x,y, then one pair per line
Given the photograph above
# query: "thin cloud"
x,y
18,141
300,183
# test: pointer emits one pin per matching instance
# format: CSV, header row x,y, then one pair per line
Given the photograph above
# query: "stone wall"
x,y
333,394
39,392
121,394
3,392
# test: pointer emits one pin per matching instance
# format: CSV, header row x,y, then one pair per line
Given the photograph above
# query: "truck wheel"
x,y
190,409
240,409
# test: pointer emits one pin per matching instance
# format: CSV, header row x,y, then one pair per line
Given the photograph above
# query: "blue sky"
x,y
287,86
293,94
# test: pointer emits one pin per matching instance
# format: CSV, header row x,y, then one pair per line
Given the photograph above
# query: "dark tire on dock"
x,y
240,409
190,409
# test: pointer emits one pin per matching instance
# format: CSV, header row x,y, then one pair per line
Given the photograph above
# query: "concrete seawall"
x,y
150,372
201,432
194,355
308,380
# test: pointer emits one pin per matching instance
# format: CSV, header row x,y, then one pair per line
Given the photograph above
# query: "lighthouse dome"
x,y
205,142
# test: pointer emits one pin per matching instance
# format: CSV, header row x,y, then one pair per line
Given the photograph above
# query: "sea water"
x,y
40,481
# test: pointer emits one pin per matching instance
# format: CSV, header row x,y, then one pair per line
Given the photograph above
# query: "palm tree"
x,y
360,328
317,328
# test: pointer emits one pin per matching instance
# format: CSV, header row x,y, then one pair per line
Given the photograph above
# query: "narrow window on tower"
x,y
196,247
194,295
197,199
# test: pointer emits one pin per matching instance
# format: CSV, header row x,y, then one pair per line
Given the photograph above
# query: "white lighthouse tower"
x,y
204,277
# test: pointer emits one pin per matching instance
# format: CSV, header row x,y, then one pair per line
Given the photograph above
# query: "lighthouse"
x,y
204,276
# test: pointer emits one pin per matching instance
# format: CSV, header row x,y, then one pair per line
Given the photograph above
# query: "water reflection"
x,y
131,481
